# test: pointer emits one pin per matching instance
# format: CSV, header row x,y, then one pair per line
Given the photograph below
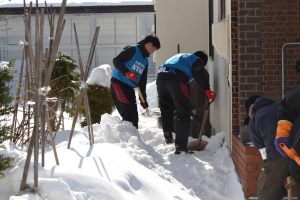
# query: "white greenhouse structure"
x,y
121,23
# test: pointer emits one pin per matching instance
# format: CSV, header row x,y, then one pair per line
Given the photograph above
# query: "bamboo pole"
x,y
43,133
51,132
17,99
83,91
35,83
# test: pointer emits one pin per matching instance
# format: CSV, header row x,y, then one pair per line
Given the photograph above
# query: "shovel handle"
x,y
291,152
140,94
203,124
205,116
142,99
210,102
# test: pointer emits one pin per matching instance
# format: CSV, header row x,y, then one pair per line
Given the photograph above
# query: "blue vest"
x,y
183,62
136,64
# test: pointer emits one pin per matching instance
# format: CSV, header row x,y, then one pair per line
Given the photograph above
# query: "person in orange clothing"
x,y
261,120
289,110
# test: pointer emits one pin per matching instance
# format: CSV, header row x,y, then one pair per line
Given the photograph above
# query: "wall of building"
x,y
116,31
220,109
280,24
220,72
183,23
259,31
248,163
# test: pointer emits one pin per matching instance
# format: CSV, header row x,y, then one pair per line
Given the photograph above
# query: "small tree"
x,y
5,163
6,76
100,102
64,84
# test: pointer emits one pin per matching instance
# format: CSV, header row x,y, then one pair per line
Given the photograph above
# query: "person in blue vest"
x,y
173,82
131,67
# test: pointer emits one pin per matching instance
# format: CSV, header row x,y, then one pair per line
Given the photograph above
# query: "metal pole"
x,y
282,65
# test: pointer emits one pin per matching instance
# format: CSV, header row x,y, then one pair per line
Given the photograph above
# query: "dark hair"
x,y
201,55
251,100
152,39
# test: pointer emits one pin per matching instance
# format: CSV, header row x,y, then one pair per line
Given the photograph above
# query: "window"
x,y
211,20
222,9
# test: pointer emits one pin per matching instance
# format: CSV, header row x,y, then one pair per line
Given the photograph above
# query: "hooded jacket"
x,y
290,106
262,126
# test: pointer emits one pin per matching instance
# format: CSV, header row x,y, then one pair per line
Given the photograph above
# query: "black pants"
x,y
174,104
125,101
270,183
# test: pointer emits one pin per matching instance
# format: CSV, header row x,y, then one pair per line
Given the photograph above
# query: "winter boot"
x,y
169,137
180,149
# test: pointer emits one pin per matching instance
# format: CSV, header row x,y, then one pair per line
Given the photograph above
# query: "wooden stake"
x,y
83,91
35,83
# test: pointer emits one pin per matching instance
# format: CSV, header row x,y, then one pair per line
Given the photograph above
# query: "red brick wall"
x,y
258,31
280,24
235,66
249,18
246,55
248,163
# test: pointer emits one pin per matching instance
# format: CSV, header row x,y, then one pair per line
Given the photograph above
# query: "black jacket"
x,y
124,56
262,126
201,76
290,106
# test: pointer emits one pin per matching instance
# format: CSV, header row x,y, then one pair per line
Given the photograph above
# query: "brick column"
x,y
250,75
235,66
248,164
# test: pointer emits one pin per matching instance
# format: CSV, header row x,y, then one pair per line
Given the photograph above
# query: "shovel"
x,y
199,144
290,182
142,99
154,112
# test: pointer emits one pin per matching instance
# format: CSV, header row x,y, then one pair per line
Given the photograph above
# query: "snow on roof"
x,y
19,3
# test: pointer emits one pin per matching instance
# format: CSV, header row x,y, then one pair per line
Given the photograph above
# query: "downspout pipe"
x,y
283,65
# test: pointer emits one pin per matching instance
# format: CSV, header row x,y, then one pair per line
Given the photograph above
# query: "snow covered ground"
x,y
126,164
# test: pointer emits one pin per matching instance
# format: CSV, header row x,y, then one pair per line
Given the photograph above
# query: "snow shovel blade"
x,y
152,112
197,145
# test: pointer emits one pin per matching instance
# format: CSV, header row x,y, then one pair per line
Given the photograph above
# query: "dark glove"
x,y
211,95
132,76
144,105
283,131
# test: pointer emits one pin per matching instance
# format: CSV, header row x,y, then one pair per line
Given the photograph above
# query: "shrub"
x,y
100,102
6,76
64,84
5,163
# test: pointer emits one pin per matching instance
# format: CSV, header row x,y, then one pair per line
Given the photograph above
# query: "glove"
x,y
144,105
132,76
283,131
211,95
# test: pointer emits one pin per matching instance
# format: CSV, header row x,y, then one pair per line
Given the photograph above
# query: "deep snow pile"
x,y
125,163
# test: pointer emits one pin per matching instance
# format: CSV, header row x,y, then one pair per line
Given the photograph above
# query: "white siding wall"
x,y
116,31
220,71
181,22
186,23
